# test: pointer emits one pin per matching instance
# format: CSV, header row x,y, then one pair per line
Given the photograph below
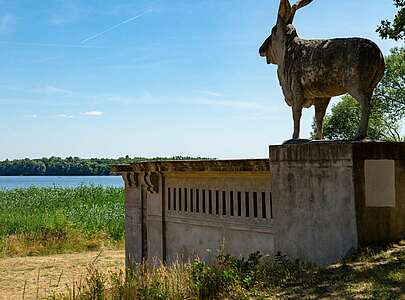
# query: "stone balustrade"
x,y
316,201
188,209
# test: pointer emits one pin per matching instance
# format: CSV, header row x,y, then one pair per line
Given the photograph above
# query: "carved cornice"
x,y
151,180
245,165
337,151
131,179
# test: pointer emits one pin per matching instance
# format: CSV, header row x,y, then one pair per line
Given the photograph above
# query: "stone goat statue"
x,y
312,71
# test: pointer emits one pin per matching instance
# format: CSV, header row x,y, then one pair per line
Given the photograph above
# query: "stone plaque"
x,y
380,183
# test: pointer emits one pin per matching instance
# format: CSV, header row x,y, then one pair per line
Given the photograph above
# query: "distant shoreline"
x,y
109,175
72,166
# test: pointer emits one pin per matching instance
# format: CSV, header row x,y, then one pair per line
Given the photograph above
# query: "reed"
x,y
36,221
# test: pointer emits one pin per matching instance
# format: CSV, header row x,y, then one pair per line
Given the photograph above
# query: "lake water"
x,y
12,182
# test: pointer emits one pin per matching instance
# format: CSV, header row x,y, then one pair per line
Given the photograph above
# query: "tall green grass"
x,y
61,214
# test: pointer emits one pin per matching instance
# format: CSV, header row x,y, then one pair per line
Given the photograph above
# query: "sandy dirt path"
x,y
56,272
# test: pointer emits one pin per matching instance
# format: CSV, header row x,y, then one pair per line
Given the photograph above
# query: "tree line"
x,y
71,166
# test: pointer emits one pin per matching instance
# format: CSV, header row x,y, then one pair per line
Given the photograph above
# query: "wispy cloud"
x,y
214,98
7,22
31,116
97,35
57,95
68,11
209,93
42,60
93,113
52,45
64,116
43,90
60,19
242,105
51,90
142,65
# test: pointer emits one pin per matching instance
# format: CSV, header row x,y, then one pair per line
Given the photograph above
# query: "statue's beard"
x,y
270,58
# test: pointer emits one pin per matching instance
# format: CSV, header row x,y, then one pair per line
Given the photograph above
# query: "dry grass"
x,y
40,245
57,273
374,273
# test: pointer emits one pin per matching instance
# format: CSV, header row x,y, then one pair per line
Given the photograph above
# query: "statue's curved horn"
x,y
284,9
302,3
295,7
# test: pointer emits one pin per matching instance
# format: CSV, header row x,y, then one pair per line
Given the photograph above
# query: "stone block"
x,y
331,197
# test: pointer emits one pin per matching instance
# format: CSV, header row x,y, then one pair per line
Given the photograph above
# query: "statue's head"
x,y
273,47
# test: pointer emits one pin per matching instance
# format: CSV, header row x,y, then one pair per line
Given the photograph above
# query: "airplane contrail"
x,y
113,27
49,45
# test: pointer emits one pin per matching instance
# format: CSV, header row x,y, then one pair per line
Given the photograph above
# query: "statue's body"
x,y
312,71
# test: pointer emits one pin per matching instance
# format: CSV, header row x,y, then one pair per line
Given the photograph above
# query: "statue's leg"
x,y
363,126
321,104
364,99
297,105
297,112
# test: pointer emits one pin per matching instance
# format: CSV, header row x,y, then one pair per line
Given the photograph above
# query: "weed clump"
x,y
369,276
228,277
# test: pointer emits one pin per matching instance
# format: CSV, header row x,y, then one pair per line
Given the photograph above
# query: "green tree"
x,y
388,106
391,90
395,29
56,166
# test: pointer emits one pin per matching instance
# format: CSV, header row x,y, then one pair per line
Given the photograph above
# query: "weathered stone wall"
x,y
321,201
214,213
313,199
183,210
331,197
133,218
383,218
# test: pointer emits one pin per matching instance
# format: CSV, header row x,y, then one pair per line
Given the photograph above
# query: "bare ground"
x,y
36,277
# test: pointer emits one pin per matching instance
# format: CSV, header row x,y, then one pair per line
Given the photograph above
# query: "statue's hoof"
x,y
297,141
359,138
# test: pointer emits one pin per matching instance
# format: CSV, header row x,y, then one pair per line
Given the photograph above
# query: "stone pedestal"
x,y
331,197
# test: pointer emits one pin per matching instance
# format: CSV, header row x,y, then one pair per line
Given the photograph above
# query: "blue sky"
x,y
154,78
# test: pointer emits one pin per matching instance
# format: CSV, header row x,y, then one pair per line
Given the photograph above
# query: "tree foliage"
x,y
388,106
344,120
394,29
390,93
70,166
